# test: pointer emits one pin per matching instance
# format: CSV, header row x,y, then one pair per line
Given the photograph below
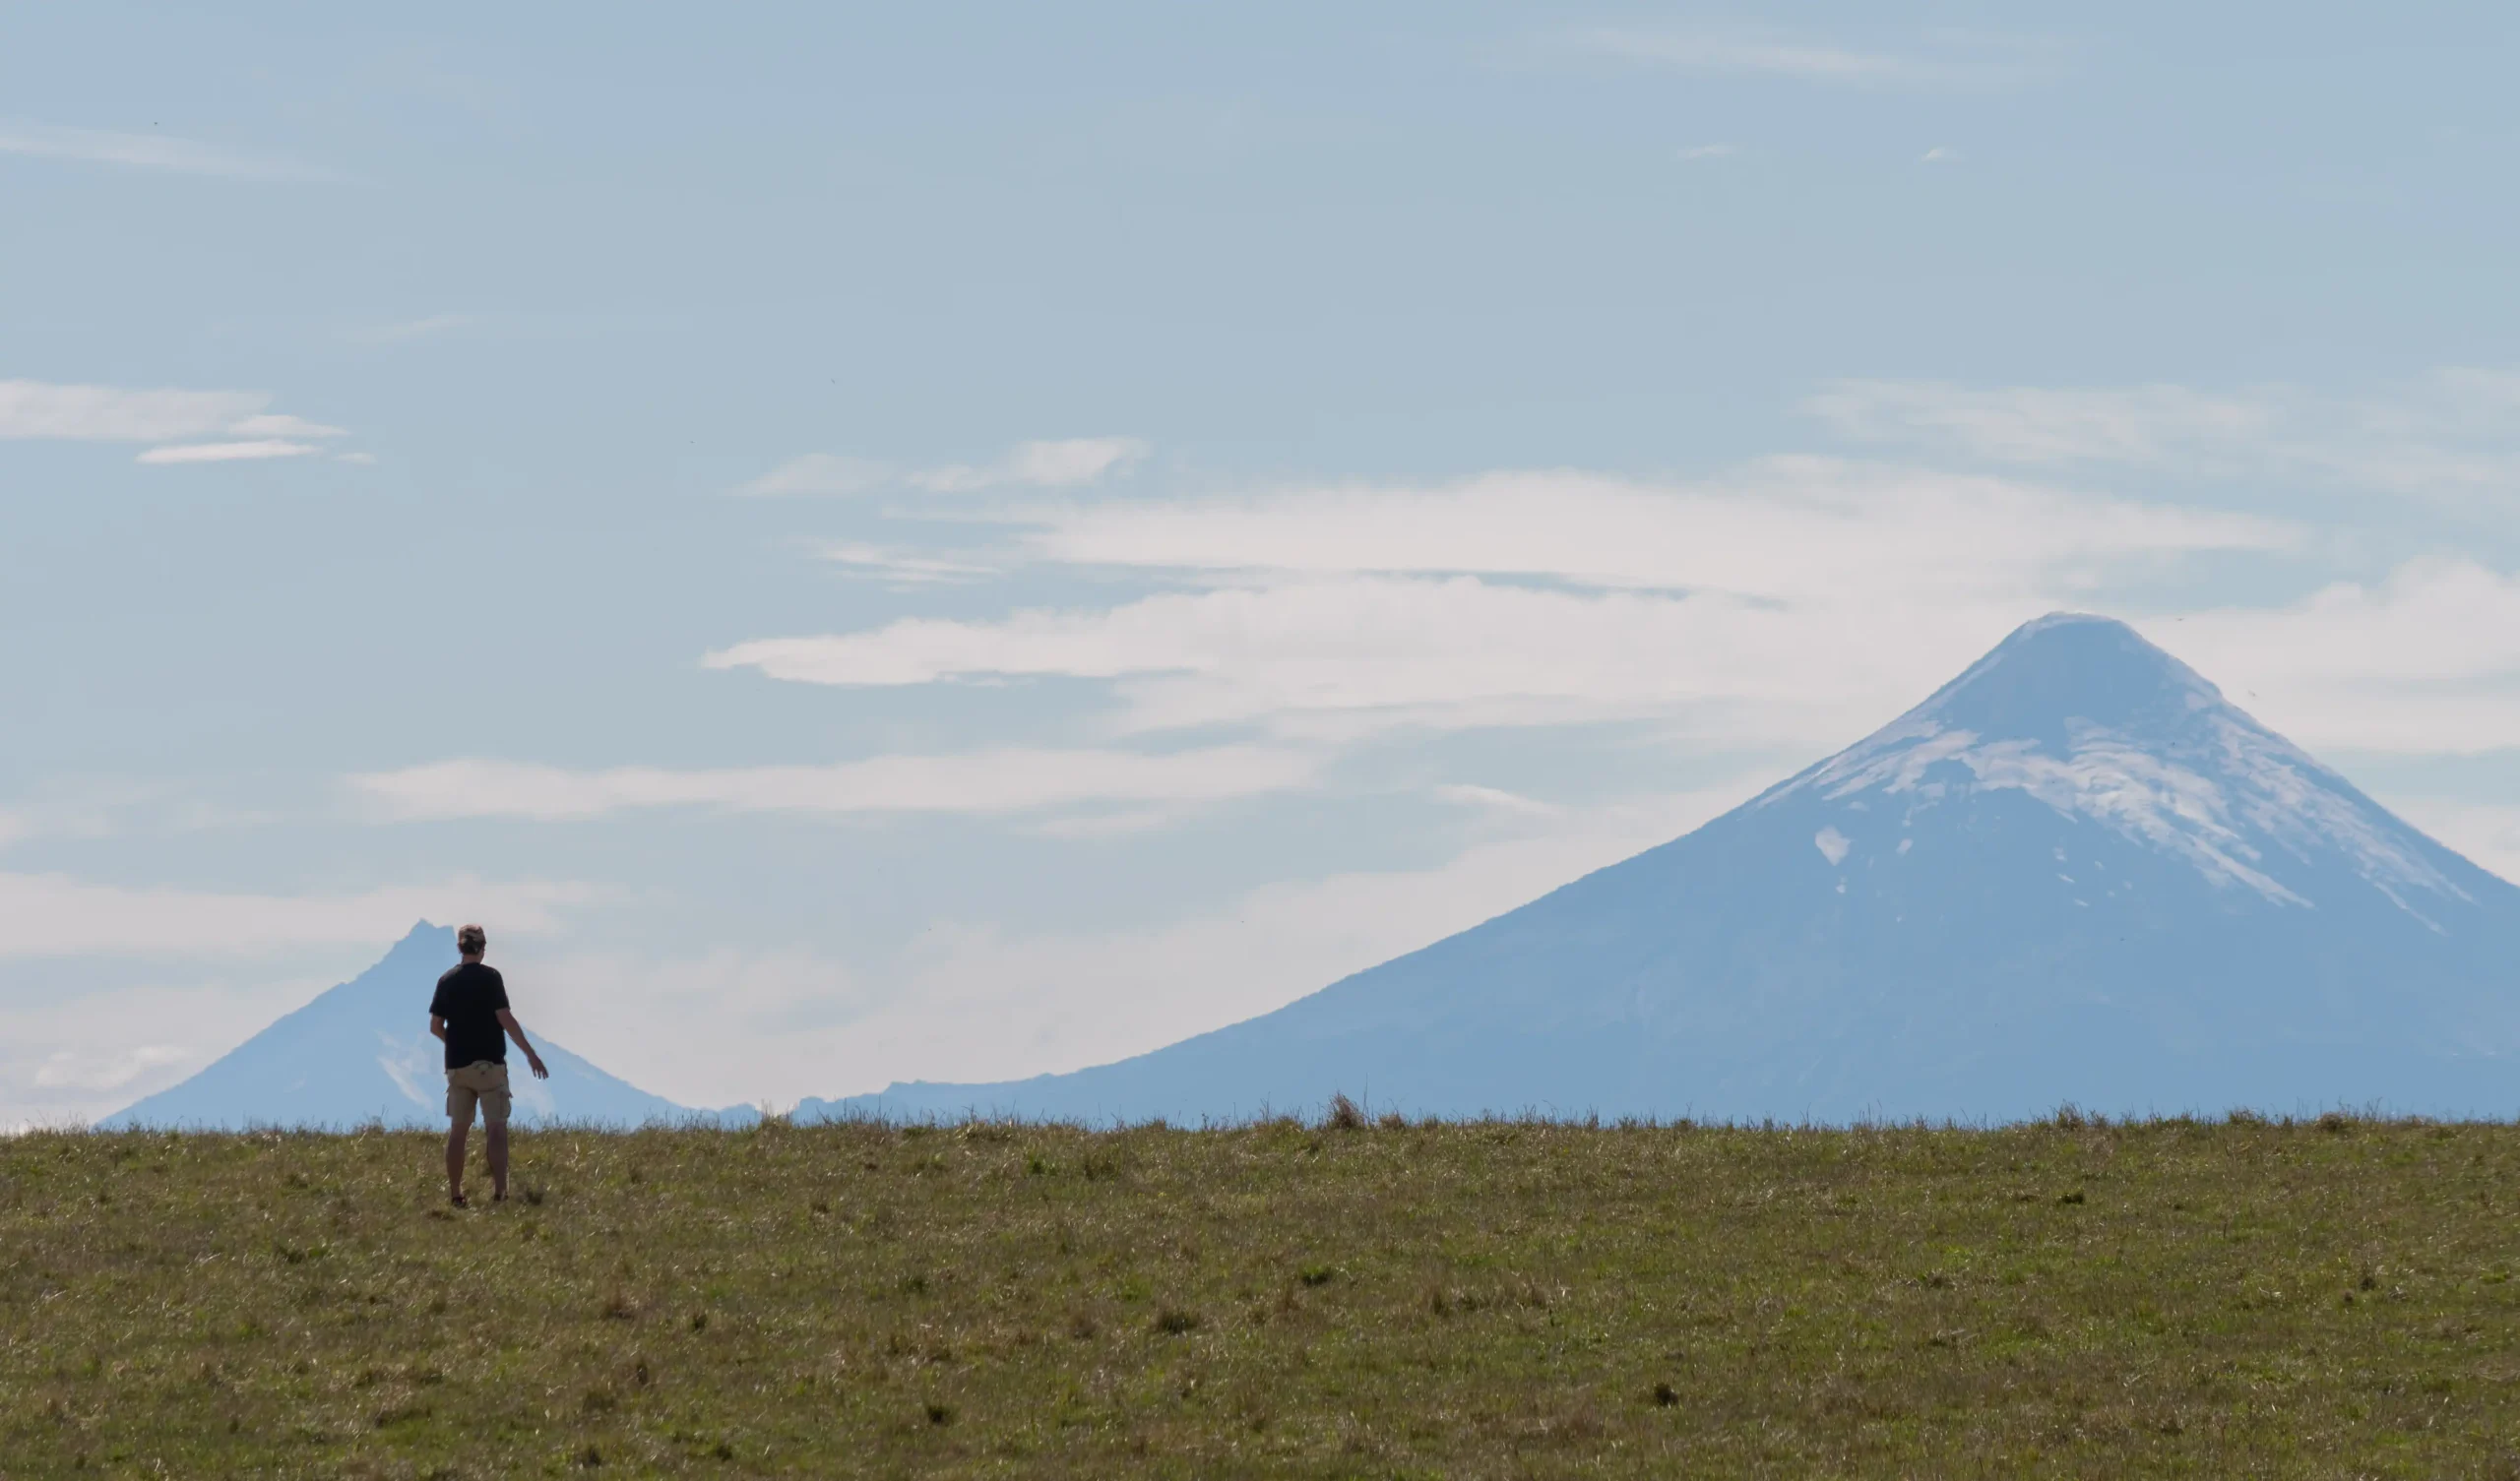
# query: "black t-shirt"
x,y
470,998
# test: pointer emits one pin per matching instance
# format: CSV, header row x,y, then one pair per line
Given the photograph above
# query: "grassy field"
x,y
2168,1298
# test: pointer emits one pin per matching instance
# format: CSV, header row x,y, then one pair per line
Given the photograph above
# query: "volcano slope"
x,y
2227,1298
2075,874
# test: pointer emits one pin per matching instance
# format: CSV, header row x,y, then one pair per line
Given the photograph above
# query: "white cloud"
x,y
107,413
981,783
1070,462
2427,663
103,413
821,473
1338,657
54,915
228,451
1472,795
1788,528
148,152
275,425
1328,613
1707,151
1939,155
901,567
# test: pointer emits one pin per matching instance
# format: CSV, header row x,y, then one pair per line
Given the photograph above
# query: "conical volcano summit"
x,y
2075,873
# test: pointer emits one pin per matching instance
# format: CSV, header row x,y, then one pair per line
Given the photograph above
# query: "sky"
x,y
957,541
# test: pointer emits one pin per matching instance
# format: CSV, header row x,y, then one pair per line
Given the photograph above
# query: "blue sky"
x,y
957,540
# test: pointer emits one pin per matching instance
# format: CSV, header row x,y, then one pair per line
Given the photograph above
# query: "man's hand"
x,y
535,1060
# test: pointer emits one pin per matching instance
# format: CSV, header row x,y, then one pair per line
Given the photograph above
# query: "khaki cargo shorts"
x,y
482,1082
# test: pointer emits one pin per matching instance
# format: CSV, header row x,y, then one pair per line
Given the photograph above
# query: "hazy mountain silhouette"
x,y
362,1052
2075,874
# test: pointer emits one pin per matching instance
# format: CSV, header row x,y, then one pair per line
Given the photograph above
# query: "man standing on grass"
x,y
471,1013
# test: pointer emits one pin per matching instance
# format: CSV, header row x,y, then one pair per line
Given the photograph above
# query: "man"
x,y
471,1013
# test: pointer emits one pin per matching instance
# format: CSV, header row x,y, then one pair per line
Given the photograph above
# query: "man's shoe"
x,y
456,1199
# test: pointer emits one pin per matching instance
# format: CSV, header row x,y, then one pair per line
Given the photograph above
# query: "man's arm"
x,y
516,1032
437,1025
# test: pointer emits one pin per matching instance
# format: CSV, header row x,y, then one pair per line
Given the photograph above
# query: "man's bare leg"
x,y
456,1132
496,1144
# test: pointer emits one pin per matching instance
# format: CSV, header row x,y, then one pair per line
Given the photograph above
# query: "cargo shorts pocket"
x,y
481,1084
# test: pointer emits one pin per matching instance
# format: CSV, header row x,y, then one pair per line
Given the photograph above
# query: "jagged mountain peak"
x,y
361,1052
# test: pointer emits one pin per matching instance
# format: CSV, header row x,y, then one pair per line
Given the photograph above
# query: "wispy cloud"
x,y
106,413
1496,799
1781,529
1069,463
903,566
282,426
1939,155
822,473
150,152
1536,598
1066,462
243,430
983,782
2454,433
228,452
1707,151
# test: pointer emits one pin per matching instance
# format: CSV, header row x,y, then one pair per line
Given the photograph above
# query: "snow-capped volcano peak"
x,y
2082,715
2075,873
2067,667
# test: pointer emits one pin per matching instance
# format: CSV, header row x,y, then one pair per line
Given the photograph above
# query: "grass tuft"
x,y
1172,1320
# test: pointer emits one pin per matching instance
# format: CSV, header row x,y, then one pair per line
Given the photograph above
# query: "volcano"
x,y
362,1054
2076,874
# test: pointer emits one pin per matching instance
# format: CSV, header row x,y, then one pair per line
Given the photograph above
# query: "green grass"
x,y
2168,1298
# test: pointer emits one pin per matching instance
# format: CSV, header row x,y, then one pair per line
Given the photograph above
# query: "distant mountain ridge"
x,y
361,1053
2075,873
